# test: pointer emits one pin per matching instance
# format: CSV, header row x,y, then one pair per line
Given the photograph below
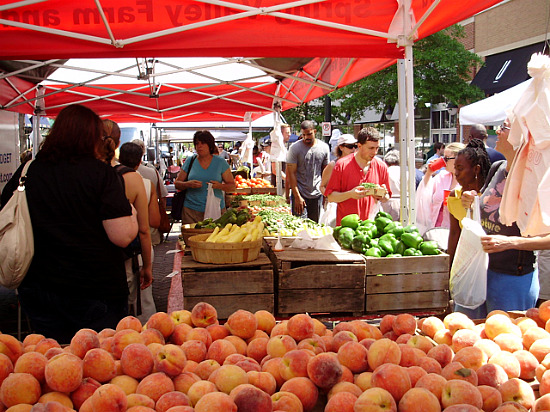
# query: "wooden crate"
x,y
264,190
248,286
407,284
317,281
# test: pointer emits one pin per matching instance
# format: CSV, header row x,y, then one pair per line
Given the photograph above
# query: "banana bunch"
x,y
233,233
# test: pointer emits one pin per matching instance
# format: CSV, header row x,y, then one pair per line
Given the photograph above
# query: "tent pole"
x,y
35,134
409,76
402,139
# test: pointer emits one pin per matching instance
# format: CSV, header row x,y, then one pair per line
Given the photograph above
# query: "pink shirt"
x,y
346,175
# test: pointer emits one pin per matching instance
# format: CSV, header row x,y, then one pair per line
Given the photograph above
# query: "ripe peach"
x,y
419,400
129,322
509,341
497,324
540,348
170,399
162,322
201,334
491,374
324,370
341,338
239,343
432,382
184,380
249,398
532,335
386,323
314,344
487,346
278,345
518,391
220,349
123,338
62,398
227,377
262,380
19,388
528,364
443,337
457,391
32,339
199,389
10,347
415,373
64,372
393,378
266,320
375,400
456,320
286,401
105,333
205,368
524,323
155,385
30,362
456,370
491,397
242,323
430,365
99,365
409,355
345,387
109,398
249,364
152,336
508,362
86,388
294,363
404,323
544,310
341,402
431,325
45,344
136,399
137,361
170,359
304,389
443,354
300,327
181,316
280,329
194,350
364,330
542,403
217,331
383,351
471,357
203,314
126,383
463,338
420,342
179,335
363,380
510,406
354,356
272,367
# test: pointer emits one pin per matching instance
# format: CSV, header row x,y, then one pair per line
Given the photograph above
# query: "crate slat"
x,y
412,301
407,283
227,304
229,282
408,264
320,300
336,276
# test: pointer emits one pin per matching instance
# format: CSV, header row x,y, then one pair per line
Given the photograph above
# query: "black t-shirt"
x,y
68,202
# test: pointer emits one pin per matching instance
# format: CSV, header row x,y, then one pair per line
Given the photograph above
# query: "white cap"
x,y
346,139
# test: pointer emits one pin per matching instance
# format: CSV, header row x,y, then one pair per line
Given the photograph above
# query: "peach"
x,y
386,324
45,344
195,350
300,327
491,374
409,355
170,399
286,401
540,348
266,320
249,364
457,391
61,398
205,368
402,338
239,343
227,377
456,320
443,337
137,361
30,362
430,365
420,342
532,335
220,349
304,389
462,407
324,370
162,322
491,397
419,400
404,323
375,400
19,388
278,345
383,351
234,359
280,329
463,338
319,327
86,388
170,359
123,338
314,344
354,356
126,383
415,373
363,380
431,325
32,339
105,333
64,372
508,362
442,354
346,326
82,341
497,324
216,401
294,363
487,346
542,403
393,378
271,366
184,380
519,391
471,357
432,382
345,387
106,344
544,310
534,313
152,336
342,337
524,323
129,322
181,316
109,398
347,375
242,323
259,334
217,331
364,330
155,385
200,334
99,365
341,402
262,380
10,347
544,383
199,389
528,364
135,399
190,366
456,370
510,406
328,341
204,314
252,399
509,342
179,335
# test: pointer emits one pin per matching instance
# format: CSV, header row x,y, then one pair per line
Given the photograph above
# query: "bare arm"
x,y
154,214
325,177
499,243
299,202
357,192
122,230
454,235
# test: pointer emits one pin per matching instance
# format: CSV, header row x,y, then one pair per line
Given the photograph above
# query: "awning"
x,y
505,70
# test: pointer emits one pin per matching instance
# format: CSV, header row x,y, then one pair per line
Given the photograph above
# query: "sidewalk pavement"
x,y
162,266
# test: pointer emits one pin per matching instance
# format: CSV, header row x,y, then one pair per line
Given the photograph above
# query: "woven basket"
x,y
189,230
223,253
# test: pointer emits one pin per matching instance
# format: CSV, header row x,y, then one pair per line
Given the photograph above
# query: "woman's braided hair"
x,y
476,154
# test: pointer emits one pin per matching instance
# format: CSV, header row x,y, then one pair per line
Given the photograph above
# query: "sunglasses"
x,y
504,127
448,158
350,146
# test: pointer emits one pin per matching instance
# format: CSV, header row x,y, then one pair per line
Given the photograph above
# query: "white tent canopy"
x,y
492,110
186,136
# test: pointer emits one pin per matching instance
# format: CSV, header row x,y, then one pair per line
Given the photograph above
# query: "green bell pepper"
x,y
366,222
399,248
429,247
412,252
350,221
394,255
360,243
335,232
395,228
374,242
345,237
373,252
410,229
412,239
385,245
381,222
384,214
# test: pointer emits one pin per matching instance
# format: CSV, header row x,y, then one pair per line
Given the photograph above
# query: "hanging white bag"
x,y
212,209
468,282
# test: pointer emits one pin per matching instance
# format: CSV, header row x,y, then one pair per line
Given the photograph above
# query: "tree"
x,y
442,71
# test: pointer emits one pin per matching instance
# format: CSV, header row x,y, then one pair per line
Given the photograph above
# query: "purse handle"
x,y
23,176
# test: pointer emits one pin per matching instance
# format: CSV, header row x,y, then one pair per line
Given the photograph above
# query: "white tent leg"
x,y
403,143
36,137
410,132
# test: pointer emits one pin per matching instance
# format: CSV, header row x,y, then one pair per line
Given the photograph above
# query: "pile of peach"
x,y
187,361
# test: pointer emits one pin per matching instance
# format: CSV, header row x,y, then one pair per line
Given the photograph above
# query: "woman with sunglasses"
x,y
433,190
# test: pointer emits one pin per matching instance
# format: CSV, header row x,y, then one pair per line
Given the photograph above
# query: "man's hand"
x,y
299,204
146,278
358,192
384,198
496,243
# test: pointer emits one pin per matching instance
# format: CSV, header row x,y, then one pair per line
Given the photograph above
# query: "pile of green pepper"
x,y
382,237
238,216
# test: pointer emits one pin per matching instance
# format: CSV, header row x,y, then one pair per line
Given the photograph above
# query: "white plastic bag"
x,y
468,283
212,209
328,215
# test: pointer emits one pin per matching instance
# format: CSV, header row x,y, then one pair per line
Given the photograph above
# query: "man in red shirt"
x,y
344,186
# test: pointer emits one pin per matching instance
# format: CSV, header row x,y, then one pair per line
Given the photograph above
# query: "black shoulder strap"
x,y
492,171
190,165
122,170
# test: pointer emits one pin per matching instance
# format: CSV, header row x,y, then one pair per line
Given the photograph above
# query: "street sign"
x,y
326,126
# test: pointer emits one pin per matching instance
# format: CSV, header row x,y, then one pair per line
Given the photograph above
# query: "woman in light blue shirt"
x,y
199,170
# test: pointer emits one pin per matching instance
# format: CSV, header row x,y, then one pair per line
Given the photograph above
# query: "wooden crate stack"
x,y
407,284
248,286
